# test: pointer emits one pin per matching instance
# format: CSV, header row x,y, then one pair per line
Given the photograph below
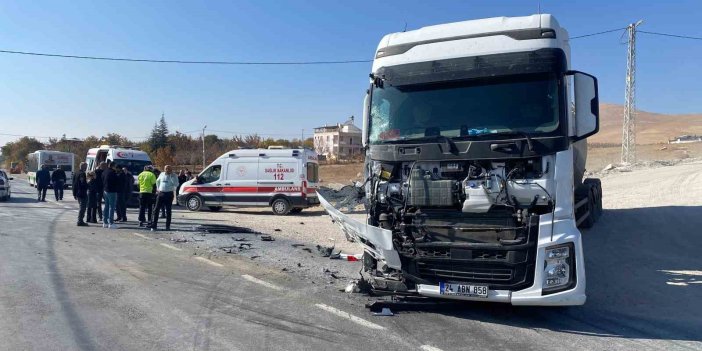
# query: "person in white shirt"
x,y
166,185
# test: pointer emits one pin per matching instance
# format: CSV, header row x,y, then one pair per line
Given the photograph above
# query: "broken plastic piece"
x,y
384,312
267,238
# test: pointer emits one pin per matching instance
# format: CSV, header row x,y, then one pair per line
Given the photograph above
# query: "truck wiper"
x,y
510,133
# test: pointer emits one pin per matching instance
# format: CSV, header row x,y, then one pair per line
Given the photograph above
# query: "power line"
x,y
670,35
598,33
281,63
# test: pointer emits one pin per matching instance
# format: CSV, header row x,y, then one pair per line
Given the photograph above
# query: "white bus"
x,y
53,160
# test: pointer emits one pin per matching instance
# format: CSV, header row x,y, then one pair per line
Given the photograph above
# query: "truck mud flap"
x,y
375,240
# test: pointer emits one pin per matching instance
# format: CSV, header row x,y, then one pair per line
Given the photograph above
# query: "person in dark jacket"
x,y
80,192
92,198
43,181
58,180
99,188
120,197
112,186
127,181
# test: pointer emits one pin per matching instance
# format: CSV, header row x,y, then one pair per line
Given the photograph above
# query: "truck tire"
x,y
281,206
215,208
589,221
193,203
596,188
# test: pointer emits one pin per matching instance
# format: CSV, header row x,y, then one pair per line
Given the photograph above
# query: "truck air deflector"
x,y
520,34
463,68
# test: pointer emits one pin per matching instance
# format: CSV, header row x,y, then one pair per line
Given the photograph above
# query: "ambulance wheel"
x,y
296,210
194,203
280,206
215,208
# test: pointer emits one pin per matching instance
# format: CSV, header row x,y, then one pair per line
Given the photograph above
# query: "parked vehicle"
x,y
285,179
126,156
5,187
52,159
475,136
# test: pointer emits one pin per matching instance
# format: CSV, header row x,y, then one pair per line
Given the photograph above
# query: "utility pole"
x,y
629,126
203,147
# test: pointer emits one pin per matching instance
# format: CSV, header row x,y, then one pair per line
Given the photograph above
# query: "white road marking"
x,y
141,235
342,314
261,282
692,273
430,348
211,263
171,247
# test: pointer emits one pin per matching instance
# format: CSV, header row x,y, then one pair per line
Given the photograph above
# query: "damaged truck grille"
x,y
500,266
450,271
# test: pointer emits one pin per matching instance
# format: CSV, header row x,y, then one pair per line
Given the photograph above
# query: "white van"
x,y
53,160
285,179
128,157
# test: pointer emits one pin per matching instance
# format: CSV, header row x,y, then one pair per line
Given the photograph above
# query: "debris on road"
x,y
384,312
297,245
222,228
240,239
325,251
267,238
346,257
179,240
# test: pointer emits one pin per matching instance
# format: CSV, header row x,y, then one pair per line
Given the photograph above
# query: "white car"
x,y
5,191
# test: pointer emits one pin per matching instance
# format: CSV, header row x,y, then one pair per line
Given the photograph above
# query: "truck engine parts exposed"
x,y
475,140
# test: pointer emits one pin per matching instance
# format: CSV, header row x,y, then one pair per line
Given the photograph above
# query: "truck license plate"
x,y
463,290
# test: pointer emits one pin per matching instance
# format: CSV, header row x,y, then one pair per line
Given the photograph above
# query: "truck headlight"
x,y
559,268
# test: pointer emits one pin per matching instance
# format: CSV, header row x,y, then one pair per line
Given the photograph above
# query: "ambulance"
x,y
128,157
284,179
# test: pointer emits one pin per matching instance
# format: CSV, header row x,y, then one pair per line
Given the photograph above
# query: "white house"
x,y
341,141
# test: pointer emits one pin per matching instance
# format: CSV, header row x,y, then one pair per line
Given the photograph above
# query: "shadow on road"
x,y
644,281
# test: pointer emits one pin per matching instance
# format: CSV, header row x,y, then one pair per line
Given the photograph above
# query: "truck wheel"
x,y
281,206
193,203
589,221
215,208
296,210
596,188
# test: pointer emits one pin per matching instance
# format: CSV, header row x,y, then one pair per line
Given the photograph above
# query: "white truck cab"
x,y
285,179
474,134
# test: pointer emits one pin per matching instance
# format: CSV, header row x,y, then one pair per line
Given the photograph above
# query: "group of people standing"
x,y
44,178
114,184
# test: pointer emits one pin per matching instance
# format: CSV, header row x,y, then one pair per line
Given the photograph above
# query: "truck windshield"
x,y
134,166
525,104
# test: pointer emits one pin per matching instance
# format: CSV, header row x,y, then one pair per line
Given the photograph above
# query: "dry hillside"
x,y
651,128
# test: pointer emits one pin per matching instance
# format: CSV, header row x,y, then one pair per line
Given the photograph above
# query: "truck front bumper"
x,y
565,232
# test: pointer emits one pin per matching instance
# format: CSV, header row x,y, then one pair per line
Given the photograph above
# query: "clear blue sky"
x,y
52,96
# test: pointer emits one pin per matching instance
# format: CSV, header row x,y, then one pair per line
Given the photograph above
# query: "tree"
x,y
164,157
159,135
16,151
116,139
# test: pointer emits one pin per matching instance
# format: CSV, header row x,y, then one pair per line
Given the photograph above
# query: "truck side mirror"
x,y
587,105
366,111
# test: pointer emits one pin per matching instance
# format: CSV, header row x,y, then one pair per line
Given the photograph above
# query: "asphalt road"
x,y
69,288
